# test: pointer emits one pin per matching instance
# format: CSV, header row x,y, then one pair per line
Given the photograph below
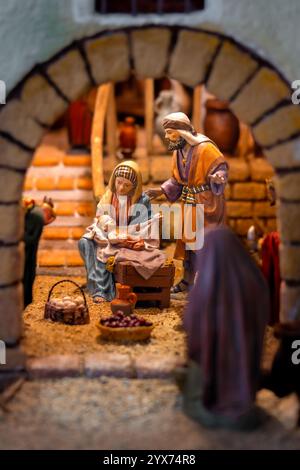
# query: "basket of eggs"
x,y
122,327
67,309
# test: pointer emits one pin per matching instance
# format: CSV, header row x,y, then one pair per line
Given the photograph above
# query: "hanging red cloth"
x,y
79,124
271,271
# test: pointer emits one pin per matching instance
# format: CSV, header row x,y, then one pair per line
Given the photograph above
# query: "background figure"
x,y
34,223
264,248
225,322
35,219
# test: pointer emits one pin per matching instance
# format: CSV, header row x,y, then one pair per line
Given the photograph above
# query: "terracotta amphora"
x,y
125,300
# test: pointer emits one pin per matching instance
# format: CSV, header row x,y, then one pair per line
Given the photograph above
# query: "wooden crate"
x,y
157,288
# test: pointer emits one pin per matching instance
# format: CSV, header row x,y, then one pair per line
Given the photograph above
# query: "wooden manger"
x,y
155,289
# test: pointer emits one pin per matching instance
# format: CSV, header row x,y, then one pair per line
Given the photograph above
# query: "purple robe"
x,y
225,323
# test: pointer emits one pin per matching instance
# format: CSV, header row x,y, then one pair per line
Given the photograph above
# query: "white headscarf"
x,y
174,120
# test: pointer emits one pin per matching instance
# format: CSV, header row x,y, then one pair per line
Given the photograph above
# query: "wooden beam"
x,y
149,113
197,108
97,138
111,123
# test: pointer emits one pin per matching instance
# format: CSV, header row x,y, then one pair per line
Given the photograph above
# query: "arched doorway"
x,y
257,92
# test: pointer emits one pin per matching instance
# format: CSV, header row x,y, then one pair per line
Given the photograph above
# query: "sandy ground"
x,y
44,337
112,414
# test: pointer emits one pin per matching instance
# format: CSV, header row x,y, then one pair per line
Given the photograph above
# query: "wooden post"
x,y
197,108
149,113
97,138
111,123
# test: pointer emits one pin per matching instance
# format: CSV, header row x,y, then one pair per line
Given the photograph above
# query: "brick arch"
x,y
258,94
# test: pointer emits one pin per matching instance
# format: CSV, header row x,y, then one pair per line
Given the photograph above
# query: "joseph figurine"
x,y
199,175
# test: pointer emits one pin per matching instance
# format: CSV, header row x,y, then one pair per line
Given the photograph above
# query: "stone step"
x,y
61,183
69,222
74,171
77,195
63,233
61,257
50,156
58,244
108,364
72,208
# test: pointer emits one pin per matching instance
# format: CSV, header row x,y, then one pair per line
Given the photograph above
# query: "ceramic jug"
x,y
125,300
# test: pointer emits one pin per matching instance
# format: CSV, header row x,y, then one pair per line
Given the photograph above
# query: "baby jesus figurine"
x,y
123,229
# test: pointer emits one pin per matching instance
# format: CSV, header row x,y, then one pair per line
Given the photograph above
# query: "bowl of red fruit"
x,y
121,327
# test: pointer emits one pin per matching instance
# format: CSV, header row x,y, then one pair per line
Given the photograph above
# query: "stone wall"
x,y
246,195
272,28
67,180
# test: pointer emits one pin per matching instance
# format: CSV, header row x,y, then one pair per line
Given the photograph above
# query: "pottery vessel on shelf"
x,y
221,125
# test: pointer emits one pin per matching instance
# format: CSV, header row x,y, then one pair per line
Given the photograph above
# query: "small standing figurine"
x,y
111,239
225,323
199,176
35,218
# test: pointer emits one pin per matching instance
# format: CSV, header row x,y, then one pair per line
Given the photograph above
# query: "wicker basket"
x,y
77,314
126,334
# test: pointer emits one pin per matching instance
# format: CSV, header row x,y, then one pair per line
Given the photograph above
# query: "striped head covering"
x,y
126,172
138,186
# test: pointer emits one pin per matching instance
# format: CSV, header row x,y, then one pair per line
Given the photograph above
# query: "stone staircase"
x,y
67,180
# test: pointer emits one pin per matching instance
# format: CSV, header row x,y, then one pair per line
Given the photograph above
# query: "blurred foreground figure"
x,y
264,248
284,377
225,322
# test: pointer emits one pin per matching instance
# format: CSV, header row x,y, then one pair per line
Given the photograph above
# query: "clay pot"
x,y
125,300
128,137
221,125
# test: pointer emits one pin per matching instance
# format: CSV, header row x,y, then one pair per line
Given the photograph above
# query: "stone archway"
x,y
257,92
